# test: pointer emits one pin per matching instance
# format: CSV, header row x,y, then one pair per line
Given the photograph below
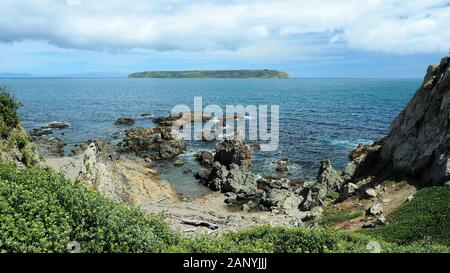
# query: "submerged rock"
x,y
282,165
38,132
205,158
57,125
125,121
418,143
145,116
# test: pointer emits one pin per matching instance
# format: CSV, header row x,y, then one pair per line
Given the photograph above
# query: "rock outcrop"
x,y
229,170
329,177
157,143
233,152
128,181
418,143
49,146
182,118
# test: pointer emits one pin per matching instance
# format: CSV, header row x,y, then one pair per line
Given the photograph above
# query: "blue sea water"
x,y
319,118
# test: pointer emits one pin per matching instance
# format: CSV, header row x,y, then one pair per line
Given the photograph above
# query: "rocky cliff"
x,y
418,142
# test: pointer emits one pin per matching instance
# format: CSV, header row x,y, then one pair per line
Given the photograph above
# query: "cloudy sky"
x,y
323,38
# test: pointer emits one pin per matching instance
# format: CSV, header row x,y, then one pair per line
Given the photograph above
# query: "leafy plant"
x,y
9,118
41,211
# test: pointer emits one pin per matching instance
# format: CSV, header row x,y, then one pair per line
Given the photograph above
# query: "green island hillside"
x,y
266,73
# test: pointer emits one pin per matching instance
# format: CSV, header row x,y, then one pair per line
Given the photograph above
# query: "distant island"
x,y
265,73
14,75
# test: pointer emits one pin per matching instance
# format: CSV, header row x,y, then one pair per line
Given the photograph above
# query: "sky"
x,y
322,38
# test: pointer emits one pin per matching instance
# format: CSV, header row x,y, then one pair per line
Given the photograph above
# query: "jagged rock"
x,y
96,174
282,165
370,192
49,147
381,220
291,202
275,198
202,175
362,160
157,143
205,158
314,213
410,198
239,181
375,209
349,171
418,143
246,208
124,121
330,177
233,152
348,190
312,197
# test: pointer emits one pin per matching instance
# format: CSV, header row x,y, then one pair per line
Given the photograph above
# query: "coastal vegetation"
x,y
42,211
9,119
426,218
266,73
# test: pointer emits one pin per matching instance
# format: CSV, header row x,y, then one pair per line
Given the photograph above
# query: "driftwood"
x,y
162,199
199,223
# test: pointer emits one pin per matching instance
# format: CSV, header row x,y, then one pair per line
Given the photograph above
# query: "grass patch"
x,y
333,217
426,219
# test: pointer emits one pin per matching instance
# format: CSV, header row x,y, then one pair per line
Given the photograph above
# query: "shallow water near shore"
x,y
319,118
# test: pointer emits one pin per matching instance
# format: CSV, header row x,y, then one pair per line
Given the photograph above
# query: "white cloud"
x,y
397,26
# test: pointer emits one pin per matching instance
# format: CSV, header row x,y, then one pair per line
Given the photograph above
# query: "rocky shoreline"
x,y
415,149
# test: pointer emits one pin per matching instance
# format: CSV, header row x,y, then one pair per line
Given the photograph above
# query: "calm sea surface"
x,y
319,118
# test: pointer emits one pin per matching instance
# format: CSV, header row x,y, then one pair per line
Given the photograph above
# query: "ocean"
x,y
319,118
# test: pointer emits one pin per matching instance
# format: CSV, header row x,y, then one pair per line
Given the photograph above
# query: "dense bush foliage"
x,y
41,211
425,219
8,112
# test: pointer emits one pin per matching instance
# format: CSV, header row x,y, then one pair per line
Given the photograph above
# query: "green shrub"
x,y
41,211
425,219
9,118
266,239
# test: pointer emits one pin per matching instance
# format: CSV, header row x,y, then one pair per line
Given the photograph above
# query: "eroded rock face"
x,y
419,139
158,143
330,177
